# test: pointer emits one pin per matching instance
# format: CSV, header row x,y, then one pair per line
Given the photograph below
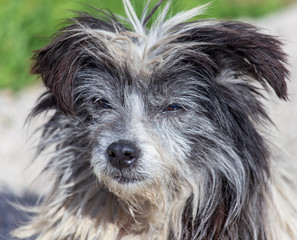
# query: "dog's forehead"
x,y
140,53
149,67
155,82
132,60
149,70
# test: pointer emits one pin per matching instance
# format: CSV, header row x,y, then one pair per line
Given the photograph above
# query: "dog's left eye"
x,y
103,103
172,107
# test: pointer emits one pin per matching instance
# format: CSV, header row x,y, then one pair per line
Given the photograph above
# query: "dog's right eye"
x,y
172,108
103,103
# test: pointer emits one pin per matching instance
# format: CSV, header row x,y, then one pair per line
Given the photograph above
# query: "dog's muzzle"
x,y
122,154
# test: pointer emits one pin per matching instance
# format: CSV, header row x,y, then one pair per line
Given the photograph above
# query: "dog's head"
x,y
163,109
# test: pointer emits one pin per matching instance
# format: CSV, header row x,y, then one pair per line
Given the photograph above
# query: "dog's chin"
x,y
120,182
130,188
124,180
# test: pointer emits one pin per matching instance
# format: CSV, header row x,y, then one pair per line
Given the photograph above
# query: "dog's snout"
x,y
122,154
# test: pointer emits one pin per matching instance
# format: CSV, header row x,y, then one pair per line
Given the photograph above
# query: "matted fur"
x,y
188,94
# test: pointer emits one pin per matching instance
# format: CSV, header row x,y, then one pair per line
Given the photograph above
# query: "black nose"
x,y
122,154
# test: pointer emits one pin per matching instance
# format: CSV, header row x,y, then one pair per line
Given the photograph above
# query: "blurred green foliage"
x,y
25,25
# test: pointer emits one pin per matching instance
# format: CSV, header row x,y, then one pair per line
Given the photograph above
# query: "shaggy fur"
x,y
187,95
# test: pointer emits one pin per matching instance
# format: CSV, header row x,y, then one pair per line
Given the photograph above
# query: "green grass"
x,y
25,26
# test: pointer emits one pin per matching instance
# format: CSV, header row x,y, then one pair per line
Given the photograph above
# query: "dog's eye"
x,y
103,103
172,107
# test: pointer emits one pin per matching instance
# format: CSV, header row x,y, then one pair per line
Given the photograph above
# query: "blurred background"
x,y
26,25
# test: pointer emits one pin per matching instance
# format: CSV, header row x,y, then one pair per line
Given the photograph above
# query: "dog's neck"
x,y
107,216
145,219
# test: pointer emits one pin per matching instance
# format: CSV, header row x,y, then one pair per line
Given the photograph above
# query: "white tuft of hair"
x,y
162,27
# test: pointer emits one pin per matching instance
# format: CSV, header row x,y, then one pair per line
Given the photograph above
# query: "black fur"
x,y
221,51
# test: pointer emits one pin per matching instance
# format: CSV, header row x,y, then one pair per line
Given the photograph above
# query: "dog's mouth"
x,y
125,180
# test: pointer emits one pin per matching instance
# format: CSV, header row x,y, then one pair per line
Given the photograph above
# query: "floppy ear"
x,y
241,49
57,64
60,61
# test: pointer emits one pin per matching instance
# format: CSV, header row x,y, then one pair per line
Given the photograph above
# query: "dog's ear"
x,y
56,64
239,48
60,61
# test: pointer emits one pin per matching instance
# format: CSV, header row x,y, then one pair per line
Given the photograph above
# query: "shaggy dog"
x,y
157,132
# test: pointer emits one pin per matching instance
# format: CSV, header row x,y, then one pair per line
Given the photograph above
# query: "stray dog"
x,y
157,131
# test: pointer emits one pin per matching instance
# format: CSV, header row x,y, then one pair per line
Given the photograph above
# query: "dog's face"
x,y
156,129
159,110
144,127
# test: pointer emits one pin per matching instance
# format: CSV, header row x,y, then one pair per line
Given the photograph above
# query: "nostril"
x,y
128,156
111,153
122,154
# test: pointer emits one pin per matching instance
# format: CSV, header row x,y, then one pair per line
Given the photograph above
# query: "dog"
x,y
159,132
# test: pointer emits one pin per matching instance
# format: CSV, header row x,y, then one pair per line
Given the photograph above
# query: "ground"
x,y
17,148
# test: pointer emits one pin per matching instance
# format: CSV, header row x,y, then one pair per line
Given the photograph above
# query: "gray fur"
x,y
203,172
